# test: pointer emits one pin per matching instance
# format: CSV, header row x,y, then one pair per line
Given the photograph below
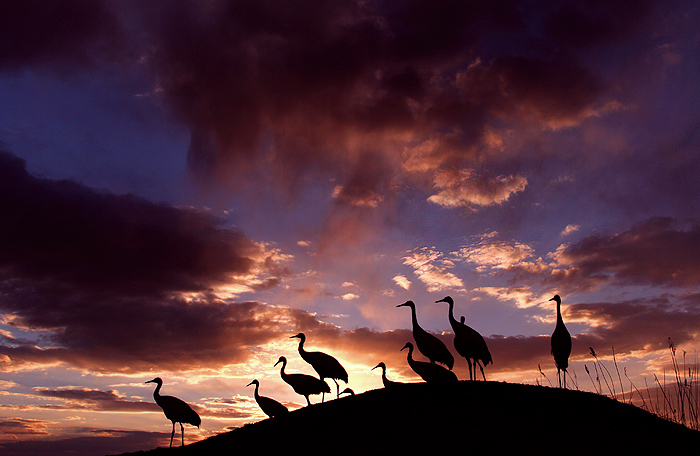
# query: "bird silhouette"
x,y
430,372
388,384
269,406
561,344
325,365
430,346
176,410
348,391
303,384
468,342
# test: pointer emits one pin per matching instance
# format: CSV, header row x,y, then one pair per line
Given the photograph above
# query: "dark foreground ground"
x,y
479,418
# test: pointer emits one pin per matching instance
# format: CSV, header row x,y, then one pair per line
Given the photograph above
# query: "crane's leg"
x,y
337,389
564,378
308,402
182,434
469,362
482,370
172,435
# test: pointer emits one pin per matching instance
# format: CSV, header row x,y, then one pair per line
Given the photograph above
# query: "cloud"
x,y
93,441
402,281
104,279
465,189
659,251
97,400
432,269
60,231
58,35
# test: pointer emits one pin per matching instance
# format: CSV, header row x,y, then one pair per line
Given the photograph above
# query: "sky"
x,y
185,185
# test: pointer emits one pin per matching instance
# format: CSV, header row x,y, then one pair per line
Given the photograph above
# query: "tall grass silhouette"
x,y
675,396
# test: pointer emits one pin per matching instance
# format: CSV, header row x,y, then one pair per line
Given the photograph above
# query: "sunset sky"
x,y
184,185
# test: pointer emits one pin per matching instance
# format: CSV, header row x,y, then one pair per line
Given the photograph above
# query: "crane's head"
x,y
382,365
299,336
556,299
409,346
410,304
156,380
254,382
446,299
282,360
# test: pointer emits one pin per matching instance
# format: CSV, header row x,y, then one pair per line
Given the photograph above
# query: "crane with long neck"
x,y
430,372
429,345
468,342
176,410
561,344
269,406
302,384
325,365
388,384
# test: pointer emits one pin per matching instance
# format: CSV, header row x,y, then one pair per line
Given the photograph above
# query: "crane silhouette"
x,y
468,342
325,365
303,384
176,410
388,384
430,372
561,344
430,346
269,406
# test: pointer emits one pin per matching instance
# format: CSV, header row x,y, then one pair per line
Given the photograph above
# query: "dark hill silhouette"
x,y
486,418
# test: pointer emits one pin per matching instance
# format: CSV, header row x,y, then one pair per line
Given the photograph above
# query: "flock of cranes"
x,y
467,342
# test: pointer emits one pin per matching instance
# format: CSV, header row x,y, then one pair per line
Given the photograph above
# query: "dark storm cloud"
x,y
99,276
98,400
303,89
64,232
659,251
97,441
57,34
287,89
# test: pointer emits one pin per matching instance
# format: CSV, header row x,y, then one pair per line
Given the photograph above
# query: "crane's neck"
x,y
451,314
302,352
414,318
256,390
559,318
409,357
282,373
156,392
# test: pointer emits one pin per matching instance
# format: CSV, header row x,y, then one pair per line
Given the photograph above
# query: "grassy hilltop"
x,y
479,418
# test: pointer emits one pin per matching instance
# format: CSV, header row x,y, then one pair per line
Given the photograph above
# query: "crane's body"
x,y
176,410
302,384
325,365
468,343
430,372
388,384
430,346
269,406
561,344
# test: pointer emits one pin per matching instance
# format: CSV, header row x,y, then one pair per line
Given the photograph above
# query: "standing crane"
x,y
303,384
561,344
388,384
269,406
325,365
176,410
430,372
430,346
468,342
